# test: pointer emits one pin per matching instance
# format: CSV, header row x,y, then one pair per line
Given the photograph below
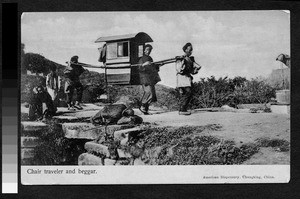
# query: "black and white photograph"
x,y
155,97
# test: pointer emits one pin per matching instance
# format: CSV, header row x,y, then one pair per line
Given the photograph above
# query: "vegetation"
x,y
187,146
212,92
208,92
55,149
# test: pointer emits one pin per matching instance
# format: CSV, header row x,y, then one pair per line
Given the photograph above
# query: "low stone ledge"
x,y
109,162
63,119
123,154
33,126
93,147
121,134
89,159
29,142
27,153
89,131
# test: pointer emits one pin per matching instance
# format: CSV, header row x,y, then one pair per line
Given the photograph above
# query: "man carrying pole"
x,y
148,78
186,67
72,73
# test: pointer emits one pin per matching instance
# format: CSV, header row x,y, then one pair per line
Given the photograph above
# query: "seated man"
x,y
39,97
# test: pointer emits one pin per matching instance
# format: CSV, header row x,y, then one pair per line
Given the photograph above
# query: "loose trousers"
x,y
185,98
69,90
149,95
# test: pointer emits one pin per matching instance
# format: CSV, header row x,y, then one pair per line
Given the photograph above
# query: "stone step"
x,y
33,126
29,142
123,154
109,162
85,130
89,159
138,162
27,153
64,119
93,147
121,134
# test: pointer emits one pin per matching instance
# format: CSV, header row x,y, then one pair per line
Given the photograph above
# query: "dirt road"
x,y
239,127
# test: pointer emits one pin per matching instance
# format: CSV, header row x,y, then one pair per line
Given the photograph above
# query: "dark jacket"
x,y
148,74
73,72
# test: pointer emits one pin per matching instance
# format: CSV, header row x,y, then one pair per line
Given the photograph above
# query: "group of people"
x,y
185,67
149,77
49,96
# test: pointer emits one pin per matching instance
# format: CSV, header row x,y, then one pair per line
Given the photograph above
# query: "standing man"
x,y
72,73
148,78
185,67
53,84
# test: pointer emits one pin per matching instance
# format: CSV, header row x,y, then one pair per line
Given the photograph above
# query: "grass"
x,y
186,146
279,144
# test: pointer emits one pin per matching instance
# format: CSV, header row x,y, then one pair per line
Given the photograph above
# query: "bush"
x,y
254,91
212,92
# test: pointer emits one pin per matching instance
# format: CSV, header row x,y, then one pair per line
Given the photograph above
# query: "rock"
x,y
109,162
131,120
123,154
27,153
81,130
122,162
138,162
89,159
124,142
85,130
29,142
63,119
33,126
96,148
121,134
228,108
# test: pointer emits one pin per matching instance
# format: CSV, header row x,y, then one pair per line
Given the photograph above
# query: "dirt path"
x,y
240,127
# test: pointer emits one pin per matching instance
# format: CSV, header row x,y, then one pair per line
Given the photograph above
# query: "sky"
x,y
225,43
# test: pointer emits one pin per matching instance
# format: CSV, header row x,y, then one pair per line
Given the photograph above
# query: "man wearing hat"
x,y
185,67
148,78
72,73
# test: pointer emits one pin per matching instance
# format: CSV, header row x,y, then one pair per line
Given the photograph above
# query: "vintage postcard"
x,y
155,97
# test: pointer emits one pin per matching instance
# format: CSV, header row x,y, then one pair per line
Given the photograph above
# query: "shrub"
x,y
254,91
212,92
